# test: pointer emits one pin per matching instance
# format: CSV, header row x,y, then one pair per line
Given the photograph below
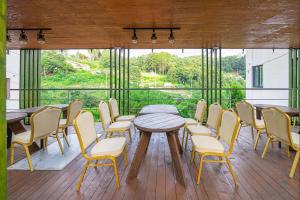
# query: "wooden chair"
x,y
211,146
278,128
198,118
247,115
110,127
105,149
73,109
213,122
43,124
114,112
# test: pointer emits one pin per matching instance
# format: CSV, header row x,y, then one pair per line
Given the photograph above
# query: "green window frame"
x,y
257,76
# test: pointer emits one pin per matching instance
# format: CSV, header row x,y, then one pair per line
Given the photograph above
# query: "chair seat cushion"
x,y
22,137
204,144
190,121
260,124
62,122
125,118
120,126
296,139
199,130
109,147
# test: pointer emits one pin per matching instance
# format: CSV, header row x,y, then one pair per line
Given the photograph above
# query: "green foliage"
x,y
234,64
54,62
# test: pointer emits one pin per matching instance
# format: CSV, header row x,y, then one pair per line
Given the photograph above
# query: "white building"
x,y
13,78
267,69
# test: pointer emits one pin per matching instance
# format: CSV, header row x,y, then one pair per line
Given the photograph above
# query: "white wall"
x,y
13,72
275,75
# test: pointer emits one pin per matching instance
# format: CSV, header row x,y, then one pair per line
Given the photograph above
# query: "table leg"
x,y
65,115
178,143
139,155
176,156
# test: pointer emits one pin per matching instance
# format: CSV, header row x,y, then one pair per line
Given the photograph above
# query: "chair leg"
x,y
125,155
186,139
287,149
295,163
193,154
82,175
257,138
116,172
294,122
183,136
65,136
59,143
12,153
266,148
28,157
238,132
46,142
130,138
252,132
200,169
231,171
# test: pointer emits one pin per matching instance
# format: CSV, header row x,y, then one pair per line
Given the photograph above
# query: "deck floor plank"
x,y
257,178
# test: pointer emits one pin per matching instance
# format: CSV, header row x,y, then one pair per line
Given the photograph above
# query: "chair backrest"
x,y
246,112
214,116
73,109
45,122
113,107
85,129
229,127
277,124
104,115
199,114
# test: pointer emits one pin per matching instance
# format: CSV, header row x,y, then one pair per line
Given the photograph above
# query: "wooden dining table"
x,y
158,123
14,119
292,112
159,108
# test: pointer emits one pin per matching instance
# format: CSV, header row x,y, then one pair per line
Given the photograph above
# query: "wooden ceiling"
x,y
203,23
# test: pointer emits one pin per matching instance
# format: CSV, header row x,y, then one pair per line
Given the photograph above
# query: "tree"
x,y
54,62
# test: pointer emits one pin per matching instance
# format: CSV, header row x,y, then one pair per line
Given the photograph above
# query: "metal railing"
x,y
184,99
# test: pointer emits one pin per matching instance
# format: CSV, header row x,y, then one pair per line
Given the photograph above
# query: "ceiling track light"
x,y
8,38
23,38
41,37
134,38
153,37
171,38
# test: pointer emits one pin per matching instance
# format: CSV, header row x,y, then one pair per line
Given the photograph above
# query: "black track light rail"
x,y
29,29
152,28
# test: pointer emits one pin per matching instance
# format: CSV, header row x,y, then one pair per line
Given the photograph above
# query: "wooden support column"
x,y
3,175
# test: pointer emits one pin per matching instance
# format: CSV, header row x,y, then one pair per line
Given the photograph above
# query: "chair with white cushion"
x,y
211,146
110,127
213,122
247,115
278,128
105,149
114,112
43,124
73,109
198,117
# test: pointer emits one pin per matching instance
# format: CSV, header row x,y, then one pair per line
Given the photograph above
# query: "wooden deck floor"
x,y
257,178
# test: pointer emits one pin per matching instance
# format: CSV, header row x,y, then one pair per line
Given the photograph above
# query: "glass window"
x,y
258,76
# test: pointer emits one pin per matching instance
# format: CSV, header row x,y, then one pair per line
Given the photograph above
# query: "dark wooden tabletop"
x,y
159,108
288,110
159,122
32,110
12,117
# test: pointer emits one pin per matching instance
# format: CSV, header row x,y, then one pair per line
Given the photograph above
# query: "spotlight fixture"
x,y
134,38
153,37
171,37
8,38
41,37
23,38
